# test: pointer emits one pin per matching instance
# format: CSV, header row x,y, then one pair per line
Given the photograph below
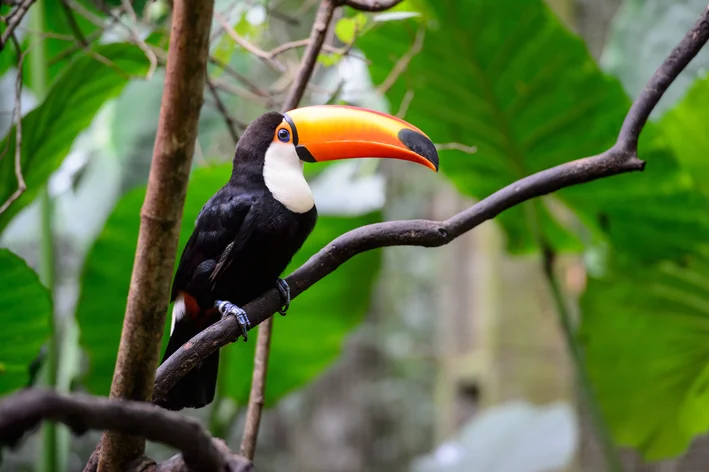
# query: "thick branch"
x,y
160,220
620,158
13,19
23,411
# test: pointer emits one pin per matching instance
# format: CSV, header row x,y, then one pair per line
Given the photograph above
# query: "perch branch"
x,y
160,220
17,114
620,158
23,411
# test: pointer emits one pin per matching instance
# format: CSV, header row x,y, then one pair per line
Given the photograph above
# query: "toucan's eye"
x,y
283,135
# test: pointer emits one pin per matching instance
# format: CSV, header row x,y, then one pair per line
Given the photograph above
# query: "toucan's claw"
x,y
229,309
285,295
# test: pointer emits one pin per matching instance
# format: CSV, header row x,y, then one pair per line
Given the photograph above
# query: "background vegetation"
x,y
404,348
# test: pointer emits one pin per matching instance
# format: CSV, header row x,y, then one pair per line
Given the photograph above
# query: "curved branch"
x,y
23,411
371,5
620,158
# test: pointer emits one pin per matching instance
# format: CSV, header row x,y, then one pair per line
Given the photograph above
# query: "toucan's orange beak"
x,y
329,132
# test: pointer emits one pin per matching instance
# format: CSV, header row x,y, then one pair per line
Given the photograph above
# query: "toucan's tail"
x,y
196,389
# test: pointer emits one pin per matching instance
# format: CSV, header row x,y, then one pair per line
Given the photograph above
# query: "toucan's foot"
x,y
229,309
285,295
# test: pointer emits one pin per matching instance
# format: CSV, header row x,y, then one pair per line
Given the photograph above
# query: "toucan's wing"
x,y
217,227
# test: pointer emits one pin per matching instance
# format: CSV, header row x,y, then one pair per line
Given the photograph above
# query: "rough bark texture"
x,y
160,220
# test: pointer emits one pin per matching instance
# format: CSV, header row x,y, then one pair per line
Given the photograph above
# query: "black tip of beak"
x,y
419,144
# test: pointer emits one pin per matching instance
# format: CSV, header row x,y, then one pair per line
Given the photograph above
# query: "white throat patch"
x,y
283,174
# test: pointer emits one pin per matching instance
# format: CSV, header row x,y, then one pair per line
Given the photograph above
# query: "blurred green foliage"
x,y
526,92
49,130
511,81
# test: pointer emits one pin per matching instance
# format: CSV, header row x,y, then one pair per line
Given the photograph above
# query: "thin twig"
x,y
609,450
299,44
228,120
456,147
403,62
227,87
23,411
404,106
69,14
17,112
83,44
620,158
14,18
132,32
258,388
238,76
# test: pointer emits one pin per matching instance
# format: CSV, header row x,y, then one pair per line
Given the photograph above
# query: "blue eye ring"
x,y
283,135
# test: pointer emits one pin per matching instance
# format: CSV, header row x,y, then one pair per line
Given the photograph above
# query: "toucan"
x,y
248,232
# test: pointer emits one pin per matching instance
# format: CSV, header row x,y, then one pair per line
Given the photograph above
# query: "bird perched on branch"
x,y
248,232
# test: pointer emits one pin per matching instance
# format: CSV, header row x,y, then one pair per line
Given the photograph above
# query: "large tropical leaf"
x,y
305,342
25,308
642,34
507,77
49,130
645,330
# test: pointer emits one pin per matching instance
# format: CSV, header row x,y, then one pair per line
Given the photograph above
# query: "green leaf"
x,y
329,59
645,333
312,335
49,130
685,128
348,28
57,48
106,278
25,307
516,84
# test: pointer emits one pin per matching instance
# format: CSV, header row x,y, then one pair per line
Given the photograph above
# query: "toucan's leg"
x,y
229,309
285,295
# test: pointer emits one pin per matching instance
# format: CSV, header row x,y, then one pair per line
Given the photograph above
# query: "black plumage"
x,y
243,240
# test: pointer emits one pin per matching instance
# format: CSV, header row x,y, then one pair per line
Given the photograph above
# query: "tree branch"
x,y
23,411
620,158
315,43
228,120
160,220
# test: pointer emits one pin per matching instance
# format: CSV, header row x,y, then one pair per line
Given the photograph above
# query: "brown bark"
x,y
160,220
